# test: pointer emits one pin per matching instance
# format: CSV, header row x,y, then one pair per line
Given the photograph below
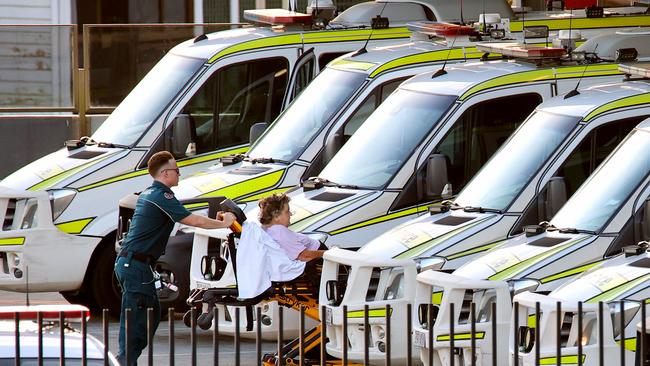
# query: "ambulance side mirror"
x,y
556,196
332,146
256,131
437,178
181,143
642,227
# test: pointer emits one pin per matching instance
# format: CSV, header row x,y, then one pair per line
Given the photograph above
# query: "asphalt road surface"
x,y
182,336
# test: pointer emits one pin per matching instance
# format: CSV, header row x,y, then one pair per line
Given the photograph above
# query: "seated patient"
x,y
275,218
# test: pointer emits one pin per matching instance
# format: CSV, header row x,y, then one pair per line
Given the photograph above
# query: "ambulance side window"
x,y
579,165
248,93
369,105
480,131
476,135
592,151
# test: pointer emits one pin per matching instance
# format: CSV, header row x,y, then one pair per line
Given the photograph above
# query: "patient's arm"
x,y
308,254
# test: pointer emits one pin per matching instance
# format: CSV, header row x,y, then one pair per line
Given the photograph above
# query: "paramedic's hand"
x,y
227,217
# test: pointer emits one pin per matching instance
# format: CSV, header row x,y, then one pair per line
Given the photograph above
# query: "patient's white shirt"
x,y
291,242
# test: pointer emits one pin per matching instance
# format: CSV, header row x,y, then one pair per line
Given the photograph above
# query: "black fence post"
x,y
622,326
237,338
105,334
215,336
366,335
17,337
323,335
473,333
515,360
280,335
258,336
409,335
538,333
643,335
345,335
301,338
193,335
452,335
494,334
430,329
84,339
601,335
558,332
61,338
170,323
150,336
580,333
388,335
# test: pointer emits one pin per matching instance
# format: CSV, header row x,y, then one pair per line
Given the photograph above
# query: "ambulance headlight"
x,y
60,200
522,285
321,237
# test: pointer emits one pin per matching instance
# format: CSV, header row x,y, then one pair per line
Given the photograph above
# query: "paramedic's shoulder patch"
x,y
168,195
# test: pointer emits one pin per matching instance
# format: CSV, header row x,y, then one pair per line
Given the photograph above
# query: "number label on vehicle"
x,y
328,316
419,339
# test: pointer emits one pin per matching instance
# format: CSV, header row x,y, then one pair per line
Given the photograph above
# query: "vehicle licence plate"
x,y
419,339
328,316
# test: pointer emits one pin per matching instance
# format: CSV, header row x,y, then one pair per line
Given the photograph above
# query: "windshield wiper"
x,y
267,161
316,182
481,209
110,145
572,230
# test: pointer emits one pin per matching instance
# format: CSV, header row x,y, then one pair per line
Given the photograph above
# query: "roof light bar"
x,y
524,51
49,312
441,29
641,69
277,17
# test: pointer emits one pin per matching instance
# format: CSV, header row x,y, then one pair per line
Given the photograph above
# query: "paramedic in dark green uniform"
x,y
156,211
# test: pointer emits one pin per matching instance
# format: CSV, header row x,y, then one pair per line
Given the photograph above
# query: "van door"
x,y
303,73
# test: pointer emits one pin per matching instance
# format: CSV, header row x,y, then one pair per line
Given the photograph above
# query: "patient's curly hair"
x,y
271,207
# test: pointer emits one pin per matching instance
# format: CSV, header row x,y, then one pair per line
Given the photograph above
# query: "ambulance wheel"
x,y
102,283
81,298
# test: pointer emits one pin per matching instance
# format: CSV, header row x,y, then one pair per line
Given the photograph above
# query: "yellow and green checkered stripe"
x,y
475,250
564,360
261,195
312,37
180,163
460,337
632,101
12,241
428,57
628,343
523,265
424,247
390,216
372,313
543,75
583,23
74,227
49,182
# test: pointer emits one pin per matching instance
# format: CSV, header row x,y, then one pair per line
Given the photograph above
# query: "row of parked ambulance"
x,y
456,166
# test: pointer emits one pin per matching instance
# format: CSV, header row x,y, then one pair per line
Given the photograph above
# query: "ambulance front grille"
x,y
9,215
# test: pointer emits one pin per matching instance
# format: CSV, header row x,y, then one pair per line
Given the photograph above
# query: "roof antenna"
x,y
363,49
462,21
442,71
484,20
575,91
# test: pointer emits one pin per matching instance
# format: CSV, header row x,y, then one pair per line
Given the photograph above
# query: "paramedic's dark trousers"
x,y
138,294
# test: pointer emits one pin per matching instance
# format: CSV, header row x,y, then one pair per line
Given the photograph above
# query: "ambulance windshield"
x,y
294,129
387,139
147,100
499,182
601,196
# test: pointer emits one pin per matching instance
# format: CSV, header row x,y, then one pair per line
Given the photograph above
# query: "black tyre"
x,y
100,277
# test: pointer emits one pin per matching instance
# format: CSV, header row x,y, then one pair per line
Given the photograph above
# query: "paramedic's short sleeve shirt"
x,y
156,211
291,242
